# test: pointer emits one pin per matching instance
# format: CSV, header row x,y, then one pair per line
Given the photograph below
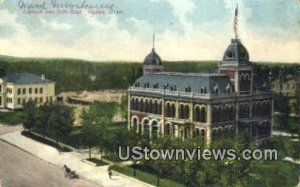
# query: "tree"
x,y
94,130
225,172
91,133
29,117
60,121
42,118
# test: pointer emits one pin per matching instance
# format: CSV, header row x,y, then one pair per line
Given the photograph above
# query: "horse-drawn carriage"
x,y
70,174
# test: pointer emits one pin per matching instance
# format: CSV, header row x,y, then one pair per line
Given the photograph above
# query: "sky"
x,y
184,29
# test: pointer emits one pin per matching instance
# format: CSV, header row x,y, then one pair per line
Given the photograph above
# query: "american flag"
x,y
235,22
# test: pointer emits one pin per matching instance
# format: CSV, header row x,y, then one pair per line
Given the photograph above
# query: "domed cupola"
x,y
152,59
152,62
236,54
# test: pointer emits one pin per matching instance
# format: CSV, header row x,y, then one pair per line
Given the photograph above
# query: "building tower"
x,y
152,62
236,64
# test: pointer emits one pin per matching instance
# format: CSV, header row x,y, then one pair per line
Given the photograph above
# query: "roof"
x,y
23,78
153,59
236,54
195,81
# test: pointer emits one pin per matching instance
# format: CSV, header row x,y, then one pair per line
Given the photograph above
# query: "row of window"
x,y
188,89
254,130
36,99
171,87
223,133
30,90
169,129
222,114
170,109
258,110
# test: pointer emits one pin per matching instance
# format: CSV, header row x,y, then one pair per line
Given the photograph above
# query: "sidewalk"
x,y
97,175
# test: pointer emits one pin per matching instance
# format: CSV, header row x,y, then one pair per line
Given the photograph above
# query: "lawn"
x,y
147,177
276,173
11,117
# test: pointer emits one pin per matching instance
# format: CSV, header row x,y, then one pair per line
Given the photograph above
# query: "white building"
x,y
17,89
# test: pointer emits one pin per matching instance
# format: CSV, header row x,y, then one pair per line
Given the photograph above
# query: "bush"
x,y
11,117
45,141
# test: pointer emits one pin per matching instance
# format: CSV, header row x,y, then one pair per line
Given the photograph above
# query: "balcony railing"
x,y
193,95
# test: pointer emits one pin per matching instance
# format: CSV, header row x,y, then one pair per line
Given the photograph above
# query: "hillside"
x,y
75,74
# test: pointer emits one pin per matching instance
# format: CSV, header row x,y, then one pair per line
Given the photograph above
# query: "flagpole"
x,y
235,22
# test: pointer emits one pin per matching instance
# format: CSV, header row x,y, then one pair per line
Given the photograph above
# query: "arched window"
x,y
167,129
159,108
141,106
173,109
168,110
181,112
155,107
203,115
132,104
150,107
146,106
218,114
203,136
214,134
146,127
136,104
215,114
155,129
186,113
197,114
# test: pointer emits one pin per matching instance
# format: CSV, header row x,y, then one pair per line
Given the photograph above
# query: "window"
x,y
216,89
19,91
36,90
23,101
30,90
41,90
228,88
230,54
203,90
9,100
9,90
36,100
0,88
24,90
155,85
41,99
19,101
175,89
188,89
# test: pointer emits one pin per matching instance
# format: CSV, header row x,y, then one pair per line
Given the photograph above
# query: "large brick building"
x,y
203,106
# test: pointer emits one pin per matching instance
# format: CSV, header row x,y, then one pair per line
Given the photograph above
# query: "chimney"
x,y
43,76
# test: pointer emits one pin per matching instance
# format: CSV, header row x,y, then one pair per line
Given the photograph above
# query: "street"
x,y
19,168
